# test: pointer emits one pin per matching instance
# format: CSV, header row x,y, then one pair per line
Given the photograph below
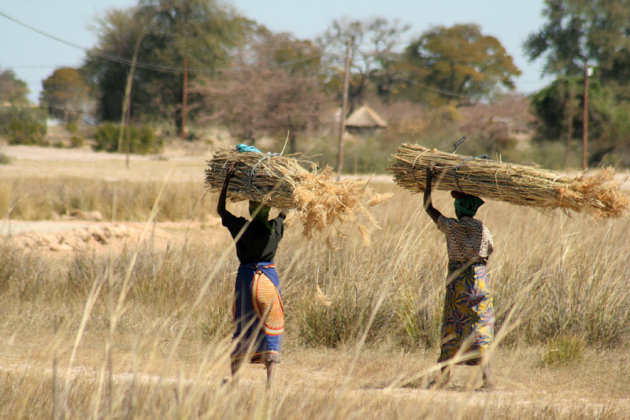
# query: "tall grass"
x,y
32,198
573,271
552,276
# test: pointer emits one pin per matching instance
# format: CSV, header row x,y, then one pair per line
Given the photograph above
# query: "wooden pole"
x,y
569,126
128,135
185,99
344,104
587,73
127,100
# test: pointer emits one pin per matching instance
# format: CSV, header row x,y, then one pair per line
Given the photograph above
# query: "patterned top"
x,y
467,239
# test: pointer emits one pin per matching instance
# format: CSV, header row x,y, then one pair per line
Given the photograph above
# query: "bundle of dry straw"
x,y
290,183
598,194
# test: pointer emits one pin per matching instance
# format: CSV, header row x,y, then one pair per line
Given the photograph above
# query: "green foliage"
x,y
546,154
12,90
142,140
23,125
66,94
77,141
457,62
72,127
563,350
4,159
204,32
577,32
609,126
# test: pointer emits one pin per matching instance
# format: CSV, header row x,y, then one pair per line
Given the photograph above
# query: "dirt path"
x,y
301,373
67,236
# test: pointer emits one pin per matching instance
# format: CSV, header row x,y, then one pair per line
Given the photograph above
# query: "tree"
x,y
274,88
65,94
458,62
374,53
108,64
12,90
609,125
579,31
202,32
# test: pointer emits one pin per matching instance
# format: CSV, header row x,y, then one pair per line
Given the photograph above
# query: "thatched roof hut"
x,y
365,119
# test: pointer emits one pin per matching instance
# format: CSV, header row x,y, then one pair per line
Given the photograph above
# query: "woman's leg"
x,y
486,375
270,372
235,365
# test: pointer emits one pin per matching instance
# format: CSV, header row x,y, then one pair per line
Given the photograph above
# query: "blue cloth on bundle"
x,y
258,313
241,148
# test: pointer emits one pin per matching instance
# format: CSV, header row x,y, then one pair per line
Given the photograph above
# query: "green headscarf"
x,y
263,213
468,204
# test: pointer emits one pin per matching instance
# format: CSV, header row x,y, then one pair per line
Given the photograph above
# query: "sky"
x,y
33,56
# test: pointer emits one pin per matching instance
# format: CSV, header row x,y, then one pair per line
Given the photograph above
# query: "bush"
x,y
4,159
23,126
563,350
72,127
77,141
142,140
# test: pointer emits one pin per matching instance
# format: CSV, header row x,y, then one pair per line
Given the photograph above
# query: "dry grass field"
x,y
137,325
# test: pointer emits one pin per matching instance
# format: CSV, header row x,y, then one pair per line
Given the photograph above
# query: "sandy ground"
x,y
68,236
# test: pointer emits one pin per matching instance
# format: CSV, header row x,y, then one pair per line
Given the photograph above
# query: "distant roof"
x,y
365,117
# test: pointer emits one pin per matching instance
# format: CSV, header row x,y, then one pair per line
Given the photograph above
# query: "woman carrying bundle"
x,y
258,310
468,319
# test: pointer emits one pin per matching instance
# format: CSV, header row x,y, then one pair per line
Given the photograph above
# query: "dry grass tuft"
x,y
598,194
290,183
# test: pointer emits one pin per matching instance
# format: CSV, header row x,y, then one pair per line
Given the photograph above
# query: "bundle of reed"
x,y
598,194
290,183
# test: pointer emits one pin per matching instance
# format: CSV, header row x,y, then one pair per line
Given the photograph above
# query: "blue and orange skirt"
x,y
468,319
258,314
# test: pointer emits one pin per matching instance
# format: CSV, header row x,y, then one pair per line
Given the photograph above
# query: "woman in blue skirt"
x,y
258,309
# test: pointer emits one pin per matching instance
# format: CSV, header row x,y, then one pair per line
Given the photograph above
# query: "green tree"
x,y
23,125
142,139
457,62
169,33
65,94
609,125
12,90
577,32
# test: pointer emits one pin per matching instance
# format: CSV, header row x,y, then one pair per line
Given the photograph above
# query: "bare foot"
x,y
487,385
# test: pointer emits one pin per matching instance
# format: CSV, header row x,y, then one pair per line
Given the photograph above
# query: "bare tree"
x,y
375,45
272,88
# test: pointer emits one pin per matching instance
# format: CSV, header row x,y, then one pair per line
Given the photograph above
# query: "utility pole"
x,y
344,104
125,120
569,125
185,98
588,72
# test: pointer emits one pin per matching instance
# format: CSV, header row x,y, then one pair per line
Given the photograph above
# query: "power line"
x,y
177,69
142,65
